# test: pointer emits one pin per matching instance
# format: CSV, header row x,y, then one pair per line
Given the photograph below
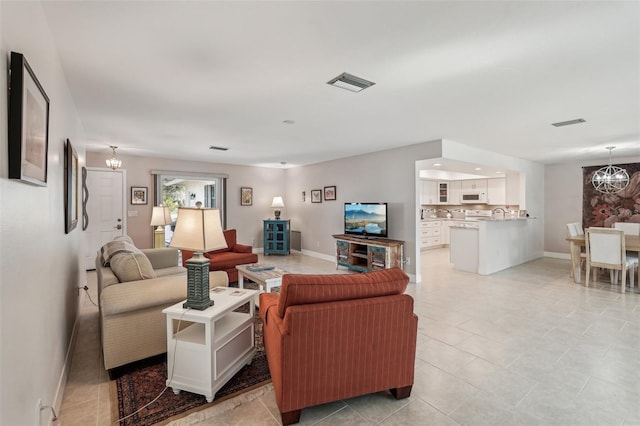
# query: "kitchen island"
x,y
493,244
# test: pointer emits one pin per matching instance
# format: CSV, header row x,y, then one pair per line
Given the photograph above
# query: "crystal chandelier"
x,y
113,162
610,179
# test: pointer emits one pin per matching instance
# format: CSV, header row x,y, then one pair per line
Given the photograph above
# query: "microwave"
x,y
473,197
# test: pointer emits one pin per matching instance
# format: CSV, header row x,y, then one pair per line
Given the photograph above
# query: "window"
x,y
185,189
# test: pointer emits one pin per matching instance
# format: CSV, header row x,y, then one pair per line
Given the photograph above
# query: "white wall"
x,y
266,183
39,264
563,199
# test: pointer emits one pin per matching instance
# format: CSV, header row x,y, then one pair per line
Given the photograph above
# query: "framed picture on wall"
x,y
329,193
246,196
70,187
139,195
28,124
316,195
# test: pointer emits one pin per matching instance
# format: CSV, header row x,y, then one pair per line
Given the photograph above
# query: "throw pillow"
x,y
114,247
124,238
131,267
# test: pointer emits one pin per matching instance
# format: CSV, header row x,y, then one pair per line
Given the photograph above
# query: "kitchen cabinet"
x,y
446,231
473,185
496,191
455,189
443,192
430,233
429,193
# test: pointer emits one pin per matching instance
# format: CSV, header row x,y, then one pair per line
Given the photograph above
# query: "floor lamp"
x,y
159,217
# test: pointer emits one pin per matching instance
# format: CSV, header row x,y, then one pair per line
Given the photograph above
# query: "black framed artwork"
x,y
316,195
139,195
329,193
70,187
28,124
246,196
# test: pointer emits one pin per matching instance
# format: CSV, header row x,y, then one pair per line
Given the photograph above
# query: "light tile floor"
x,y
522,346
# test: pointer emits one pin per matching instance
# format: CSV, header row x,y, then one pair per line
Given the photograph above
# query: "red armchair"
x,y
333,337
226,259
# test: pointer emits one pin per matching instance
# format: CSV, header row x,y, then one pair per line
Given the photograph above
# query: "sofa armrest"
x,y
241,248
136,295
162,257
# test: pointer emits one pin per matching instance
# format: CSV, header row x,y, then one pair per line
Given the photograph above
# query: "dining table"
x,y
576,242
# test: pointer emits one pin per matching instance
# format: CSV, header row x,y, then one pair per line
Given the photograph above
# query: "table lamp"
x,y
159,217
198,230
277,203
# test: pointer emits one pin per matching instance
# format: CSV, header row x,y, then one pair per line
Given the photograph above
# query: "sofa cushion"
x,y
131,267
114,247
229,260
301,289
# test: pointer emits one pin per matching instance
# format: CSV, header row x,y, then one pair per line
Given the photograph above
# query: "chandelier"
x,y
113,162
610,179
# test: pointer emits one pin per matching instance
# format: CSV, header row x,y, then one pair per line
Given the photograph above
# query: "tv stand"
x,y
364,254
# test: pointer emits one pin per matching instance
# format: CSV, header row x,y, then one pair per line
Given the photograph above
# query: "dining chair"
x,y
606,249
629,228
577,257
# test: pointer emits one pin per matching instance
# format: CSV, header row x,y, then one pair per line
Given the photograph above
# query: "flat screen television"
x,y
365,219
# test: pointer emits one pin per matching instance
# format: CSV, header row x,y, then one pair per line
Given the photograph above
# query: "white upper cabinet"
x,y
429,194
443,192
496,191
455,188
474,185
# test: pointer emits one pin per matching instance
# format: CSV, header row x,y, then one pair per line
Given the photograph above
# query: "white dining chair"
x,y
577,257
606,249
629,228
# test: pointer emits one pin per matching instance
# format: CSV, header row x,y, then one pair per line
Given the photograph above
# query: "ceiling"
x,y
172,78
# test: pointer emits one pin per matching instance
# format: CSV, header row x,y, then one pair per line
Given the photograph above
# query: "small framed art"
x,y
316,195
139,195
329,193
246,196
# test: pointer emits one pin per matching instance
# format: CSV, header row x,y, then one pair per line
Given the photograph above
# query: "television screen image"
x,y
365,219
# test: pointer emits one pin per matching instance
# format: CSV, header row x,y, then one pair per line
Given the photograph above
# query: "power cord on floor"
x,y
86,289
173,364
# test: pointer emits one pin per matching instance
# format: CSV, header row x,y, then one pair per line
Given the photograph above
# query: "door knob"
x,y
118,227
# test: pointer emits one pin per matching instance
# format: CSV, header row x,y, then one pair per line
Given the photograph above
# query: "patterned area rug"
x,y
142,381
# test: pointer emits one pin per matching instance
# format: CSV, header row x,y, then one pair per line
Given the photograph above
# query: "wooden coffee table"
x,y
266,279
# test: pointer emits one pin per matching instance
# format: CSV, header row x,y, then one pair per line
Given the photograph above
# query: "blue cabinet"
x,y
277,235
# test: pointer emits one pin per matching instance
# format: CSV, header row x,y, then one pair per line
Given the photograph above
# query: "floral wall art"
x,y
599,209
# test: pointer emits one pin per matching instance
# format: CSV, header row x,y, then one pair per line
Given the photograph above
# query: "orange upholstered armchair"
x,y
226,259
332,337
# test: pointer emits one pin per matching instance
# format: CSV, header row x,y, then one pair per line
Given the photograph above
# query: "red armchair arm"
x,y
241,248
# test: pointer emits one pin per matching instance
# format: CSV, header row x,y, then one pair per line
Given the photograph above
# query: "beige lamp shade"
x,y
277,202
198,230
160,216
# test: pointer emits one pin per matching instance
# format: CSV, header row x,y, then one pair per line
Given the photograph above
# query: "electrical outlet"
x,y
407,261
317,243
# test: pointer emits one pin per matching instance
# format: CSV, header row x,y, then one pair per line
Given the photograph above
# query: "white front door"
x,y
105,210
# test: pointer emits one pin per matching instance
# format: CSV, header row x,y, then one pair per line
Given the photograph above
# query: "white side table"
x,y
207,348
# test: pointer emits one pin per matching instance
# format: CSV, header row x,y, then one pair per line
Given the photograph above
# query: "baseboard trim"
x,y
556,255
66,368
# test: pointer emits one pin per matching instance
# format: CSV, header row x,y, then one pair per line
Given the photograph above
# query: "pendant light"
x,y
113,162
610,179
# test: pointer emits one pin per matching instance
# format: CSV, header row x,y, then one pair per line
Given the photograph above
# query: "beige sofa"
x,y
132,324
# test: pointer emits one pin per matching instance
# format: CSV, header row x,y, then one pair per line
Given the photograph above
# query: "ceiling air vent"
x,y
218,148
568,123
350,82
